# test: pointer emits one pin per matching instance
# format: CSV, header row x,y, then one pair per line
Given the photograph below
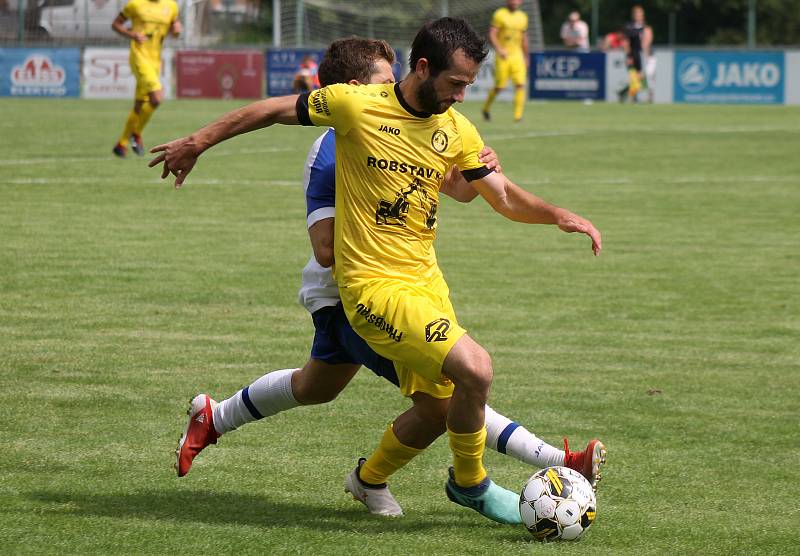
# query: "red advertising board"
x,y
220,73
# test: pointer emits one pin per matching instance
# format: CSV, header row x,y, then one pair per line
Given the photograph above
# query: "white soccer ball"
x,y
557,503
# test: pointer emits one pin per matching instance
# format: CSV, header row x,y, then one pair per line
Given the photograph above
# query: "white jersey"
x,y
318,288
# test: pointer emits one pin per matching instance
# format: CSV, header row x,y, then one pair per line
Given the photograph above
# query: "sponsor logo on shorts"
x,y
436,331
439,141
379,322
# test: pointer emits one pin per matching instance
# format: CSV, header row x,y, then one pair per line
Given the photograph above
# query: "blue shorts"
x,y
336,343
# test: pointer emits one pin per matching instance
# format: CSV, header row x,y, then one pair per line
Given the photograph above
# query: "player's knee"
x,y
477,371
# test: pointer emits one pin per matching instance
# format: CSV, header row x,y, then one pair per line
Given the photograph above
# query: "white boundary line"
x,y
110,157
528,182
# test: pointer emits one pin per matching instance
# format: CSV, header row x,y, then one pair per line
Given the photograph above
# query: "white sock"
x,y
508,437
270,394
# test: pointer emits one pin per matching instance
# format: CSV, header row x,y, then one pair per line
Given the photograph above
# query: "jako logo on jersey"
x,y
436,331
390,130
320,102
439,141
402,167
379,322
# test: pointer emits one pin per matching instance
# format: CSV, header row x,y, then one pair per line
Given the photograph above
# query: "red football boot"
x,y
199,433
587,462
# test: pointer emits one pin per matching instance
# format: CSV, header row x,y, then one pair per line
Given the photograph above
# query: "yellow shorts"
x,y
512,67
147,78
410,324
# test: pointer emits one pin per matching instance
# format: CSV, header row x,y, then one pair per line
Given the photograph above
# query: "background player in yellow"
x,y
509,37
393,146
151,22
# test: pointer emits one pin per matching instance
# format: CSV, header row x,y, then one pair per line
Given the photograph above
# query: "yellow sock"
x,y
489,100
519,102
130,124
390,456
144,117
635,83
467,451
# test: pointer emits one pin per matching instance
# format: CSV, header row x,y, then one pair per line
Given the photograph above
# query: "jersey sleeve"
x,y
129,11
525,24
175,13
471,145
334,106
319,179
497,19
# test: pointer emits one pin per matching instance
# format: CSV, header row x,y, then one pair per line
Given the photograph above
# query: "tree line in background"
x,y
701,22
681,22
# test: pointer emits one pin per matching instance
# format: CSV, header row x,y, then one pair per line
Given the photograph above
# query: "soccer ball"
x,y
557,503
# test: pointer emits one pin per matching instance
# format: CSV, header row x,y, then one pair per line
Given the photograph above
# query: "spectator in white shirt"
x,y
575,33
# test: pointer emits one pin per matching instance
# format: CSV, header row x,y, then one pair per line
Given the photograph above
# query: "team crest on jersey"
x,y
436,331
395,213
439,141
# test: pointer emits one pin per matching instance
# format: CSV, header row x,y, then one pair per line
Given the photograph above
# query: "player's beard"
x,y
428,100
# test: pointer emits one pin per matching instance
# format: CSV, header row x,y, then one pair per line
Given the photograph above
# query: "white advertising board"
x,y
792,83
107,73
484,83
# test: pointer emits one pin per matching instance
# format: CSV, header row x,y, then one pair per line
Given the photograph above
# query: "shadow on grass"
x,y
237,509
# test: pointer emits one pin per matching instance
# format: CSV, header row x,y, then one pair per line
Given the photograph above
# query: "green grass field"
x,y
679,346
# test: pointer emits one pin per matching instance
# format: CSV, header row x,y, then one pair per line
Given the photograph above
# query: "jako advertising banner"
x,y
729,77
40,72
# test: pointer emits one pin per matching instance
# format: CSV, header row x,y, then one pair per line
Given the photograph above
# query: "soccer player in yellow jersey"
x,y
151,22
509,37
394,144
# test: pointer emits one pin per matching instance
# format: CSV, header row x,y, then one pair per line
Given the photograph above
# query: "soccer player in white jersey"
x,y
393,292
337,352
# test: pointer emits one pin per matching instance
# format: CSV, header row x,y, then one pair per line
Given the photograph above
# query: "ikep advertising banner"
x,y
729,77
40,72
568,75
220,73
107,73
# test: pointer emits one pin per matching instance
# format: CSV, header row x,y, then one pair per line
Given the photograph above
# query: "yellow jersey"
x,y
510,26
153,18
390,163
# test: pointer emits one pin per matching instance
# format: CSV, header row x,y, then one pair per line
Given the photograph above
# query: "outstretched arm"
x,y
516,204
179,156
457,187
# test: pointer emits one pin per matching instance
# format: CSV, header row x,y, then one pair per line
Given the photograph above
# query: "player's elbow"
x,y
324,255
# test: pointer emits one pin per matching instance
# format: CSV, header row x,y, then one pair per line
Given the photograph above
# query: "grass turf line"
x,y
121,298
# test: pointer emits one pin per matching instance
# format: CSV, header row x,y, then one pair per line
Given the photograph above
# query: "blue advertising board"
x,y
40,72
729,77
568,75
283,63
